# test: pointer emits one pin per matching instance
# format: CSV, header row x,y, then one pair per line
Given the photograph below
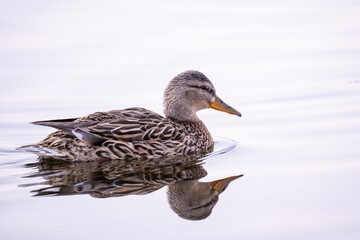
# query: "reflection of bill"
x,y
188,197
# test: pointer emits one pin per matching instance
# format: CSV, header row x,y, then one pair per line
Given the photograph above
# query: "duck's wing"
x,y
138,124
130,125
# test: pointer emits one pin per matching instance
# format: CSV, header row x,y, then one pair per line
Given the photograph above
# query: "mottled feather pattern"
x,y
132,133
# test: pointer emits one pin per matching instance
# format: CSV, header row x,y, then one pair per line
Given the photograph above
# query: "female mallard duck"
x,y
138,133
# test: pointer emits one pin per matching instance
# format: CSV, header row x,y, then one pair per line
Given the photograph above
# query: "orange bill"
x,y
220,185
219,104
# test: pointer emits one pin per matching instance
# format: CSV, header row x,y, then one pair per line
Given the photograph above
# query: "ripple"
x,y
222,146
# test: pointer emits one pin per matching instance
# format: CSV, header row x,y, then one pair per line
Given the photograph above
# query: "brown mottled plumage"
x,y
138,133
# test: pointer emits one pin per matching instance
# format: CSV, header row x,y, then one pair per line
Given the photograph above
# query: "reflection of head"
x,y
195,200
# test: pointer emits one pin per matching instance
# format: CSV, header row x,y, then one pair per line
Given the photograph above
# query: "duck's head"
x,y
190,92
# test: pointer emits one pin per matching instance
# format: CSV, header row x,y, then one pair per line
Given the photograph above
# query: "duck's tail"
x,y
40,151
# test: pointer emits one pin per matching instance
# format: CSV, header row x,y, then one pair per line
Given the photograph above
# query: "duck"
x,y
138,133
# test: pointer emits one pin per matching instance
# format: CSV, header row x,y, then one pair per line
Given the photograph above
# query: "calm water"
x,y
292,68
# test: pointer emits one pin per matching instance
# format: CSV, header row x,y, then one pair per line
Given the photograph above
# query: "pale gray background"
x,y
291,67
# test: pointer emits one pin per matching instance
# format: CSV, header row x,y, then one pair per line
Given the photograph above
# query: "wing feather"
x,y
129,125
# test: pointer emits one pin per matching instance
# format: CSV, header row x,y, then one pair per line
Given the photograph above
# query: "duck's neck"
x,y
186,116
181,113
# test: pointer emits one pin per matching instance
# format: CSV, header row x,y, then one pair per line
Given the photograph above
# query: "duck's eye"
x,y
204,88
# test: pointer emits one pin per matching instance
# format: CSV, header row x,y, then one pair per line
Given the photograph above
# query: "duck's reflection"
x,y
188,197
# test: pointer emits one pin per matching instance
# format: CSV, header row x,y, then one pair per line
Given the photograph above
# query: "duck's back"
x,y
132,133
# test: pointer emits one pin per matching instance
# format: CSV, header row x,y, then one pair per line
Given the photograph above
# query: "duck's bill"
x,y
221,184
220,105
